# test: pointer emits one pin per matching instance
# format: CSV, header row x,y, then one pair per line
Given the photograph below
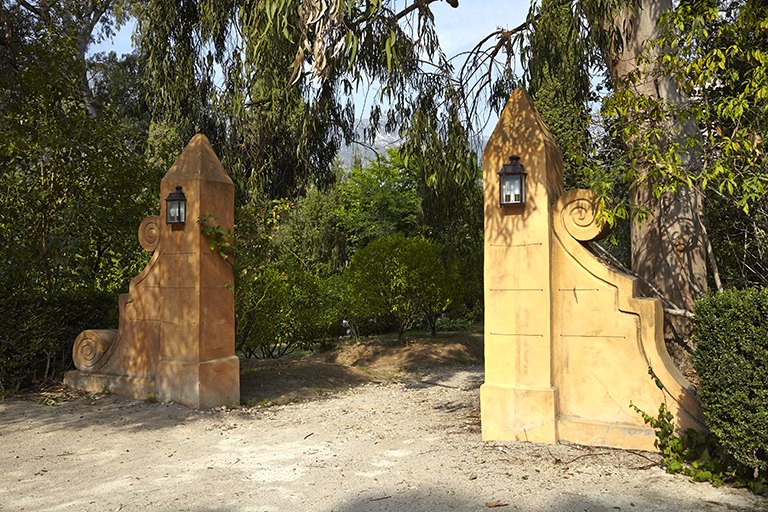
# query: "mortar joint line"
x,y
517,289
590,336
516,245
516,334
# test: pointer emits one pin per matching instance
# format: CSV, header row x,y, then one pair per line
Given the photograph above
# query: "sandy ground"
x,y
406,444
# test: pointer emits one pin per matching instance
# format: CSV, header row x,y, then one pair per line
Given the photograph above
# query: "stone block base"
x,y
200,385
136,387
597,433
511,413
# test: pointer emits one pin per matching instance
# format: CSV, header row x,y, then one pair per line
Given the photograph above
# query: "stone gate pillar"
x,y
519,397
568,343
176,336
196,364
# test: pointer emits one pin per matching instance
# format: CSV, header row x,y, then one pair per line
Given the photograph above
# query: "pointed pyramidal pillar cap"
x,y
198,161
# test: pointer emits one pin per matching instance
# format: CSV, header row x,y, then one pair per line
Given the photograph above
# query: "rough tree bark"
x,y
668,249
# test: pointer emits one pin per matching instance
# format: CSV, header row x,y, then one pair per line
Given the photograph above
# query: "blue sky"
x,y
460,29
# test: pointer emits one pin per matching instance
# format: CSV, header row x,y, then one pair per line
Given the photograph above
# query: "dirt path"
x,y
410,445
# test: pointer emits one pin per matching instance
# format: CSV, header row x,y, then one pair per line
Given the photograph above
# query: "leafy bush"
x,y
403,277
37,332
731,358
280,310
450,324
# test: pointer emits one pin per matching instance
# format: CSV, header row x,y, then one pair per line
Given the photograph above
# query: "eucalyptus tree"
x,y
224,67
716,52
437,103
75,23
220,67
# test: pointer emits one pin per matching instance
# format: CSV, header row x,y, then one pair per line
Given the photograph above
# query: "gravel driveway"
x,y
398,446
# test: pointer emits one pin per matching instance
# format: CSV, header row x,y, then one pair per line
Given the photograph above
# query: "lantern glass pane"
x,y
516,192
173,211
182,211
507,193
511,189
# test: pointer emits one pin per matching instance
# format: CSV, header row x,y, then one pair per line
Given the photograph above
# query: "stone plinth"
x,y
176,337
568,343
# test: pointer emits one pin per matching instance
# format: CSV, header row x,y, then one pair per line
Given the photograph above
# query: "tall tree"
x,y
279,128
559,84
668,247
438,102
71,182
692,113
78,21
715,53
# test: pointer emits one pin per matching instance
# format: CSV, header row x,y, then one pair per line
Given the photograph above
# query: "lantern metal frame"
x,y
512,174
176,207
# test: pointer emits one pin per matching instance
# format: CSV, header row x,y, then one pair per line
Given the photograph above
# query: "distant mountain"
x,y
383,141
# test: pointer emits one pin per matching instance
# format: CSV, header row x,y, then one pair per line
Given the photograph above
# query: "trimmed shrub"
x,y
281,309
402,277
37,332
731,331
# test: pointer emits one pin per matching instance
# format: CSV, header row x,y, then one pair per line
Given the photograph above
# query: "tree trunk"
x,y
668,248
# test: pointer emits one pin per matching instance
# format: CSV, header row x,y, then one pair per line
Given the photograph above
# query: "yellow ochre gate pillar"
x,y
176,336
568,343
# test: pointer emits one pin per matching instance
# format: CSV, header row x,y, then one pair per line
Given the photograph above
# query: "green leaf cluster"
x,y
712,70
72,183
293,260
695,454
730,329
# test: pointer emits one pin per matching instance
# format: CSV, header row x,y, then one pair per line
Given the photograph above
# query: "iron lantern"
x,y
176,207
512,182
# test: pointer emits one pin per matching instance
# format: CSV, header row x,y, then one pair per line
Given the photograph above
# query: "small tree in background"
x,y
402,277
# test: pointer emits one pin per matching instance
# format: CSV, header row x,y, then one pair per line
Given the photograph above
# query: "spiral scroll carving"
x,y
579,216
90,347
149,233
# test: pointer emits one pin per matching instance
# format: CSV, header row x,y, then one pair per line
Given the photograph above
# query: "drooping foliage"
x,y
559,85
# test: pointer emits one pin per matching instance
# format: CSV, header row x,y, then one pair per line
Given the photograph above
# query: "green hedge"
x,y
37,332
731,358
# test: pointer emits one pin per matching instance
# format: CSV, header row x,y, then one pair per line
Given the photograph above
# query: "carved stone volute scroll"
x,y
90,347
579,216
149,233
